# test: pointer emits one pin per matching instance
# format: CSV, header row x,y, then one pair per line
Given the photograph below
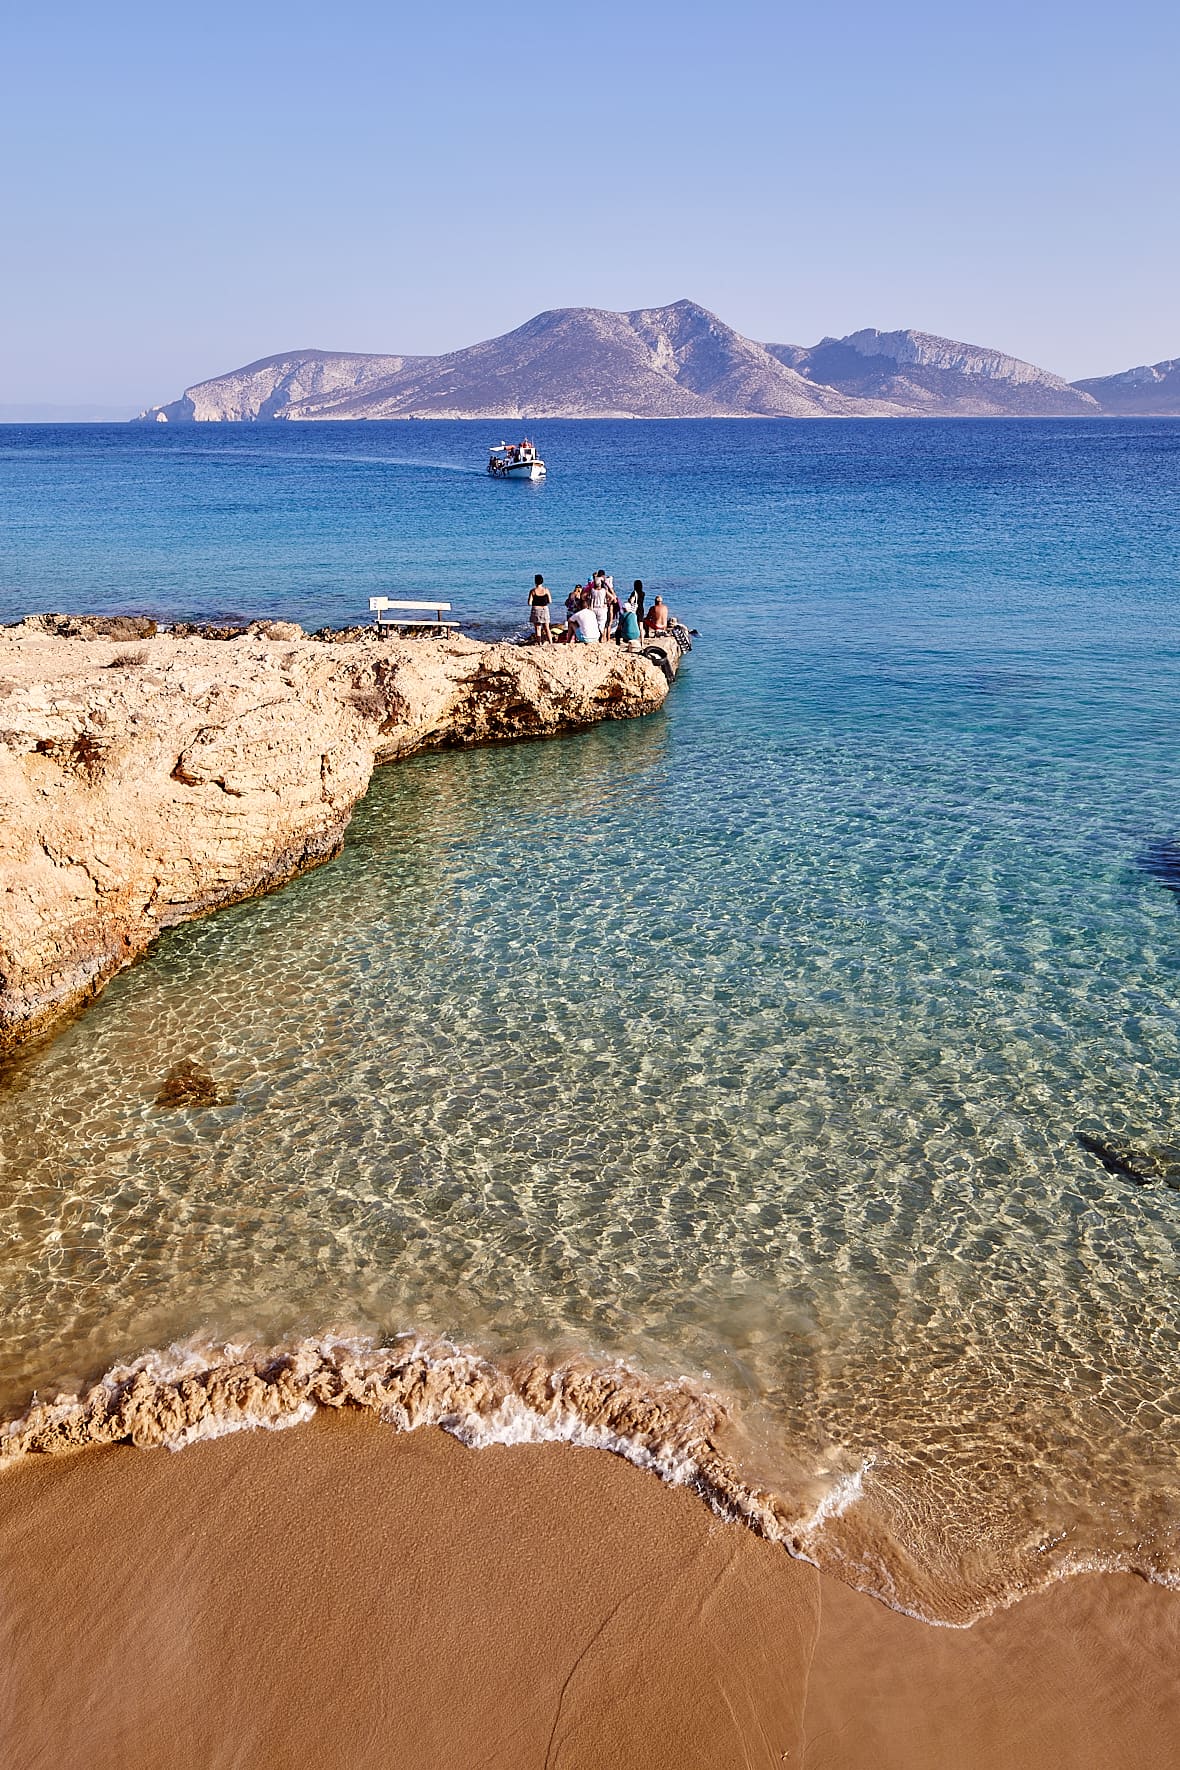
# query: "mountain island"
x,y
664,362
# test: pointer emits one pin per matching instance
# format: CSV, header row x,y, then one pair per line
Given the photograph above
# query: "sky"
x,y
184,190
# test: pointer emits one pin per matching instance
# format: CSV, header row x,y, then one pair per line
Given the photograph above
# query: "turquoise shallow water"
x,y
750,1042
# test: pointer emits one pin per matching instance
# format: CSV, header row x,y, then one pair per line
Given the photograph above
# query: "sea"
x,y
813,1043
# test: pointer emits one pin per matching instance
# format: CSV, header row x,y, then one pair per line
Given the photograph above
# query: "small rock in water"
x,y
1161,861
1145,1164
190,1084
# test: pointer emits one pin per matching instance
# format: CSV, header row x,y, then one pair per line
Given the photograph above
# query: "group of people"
x,y
595,612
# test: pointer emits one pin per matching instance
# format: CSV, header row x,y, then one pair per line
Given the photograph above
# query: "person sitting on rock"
x,y
573,602
584,621
627,632
656,619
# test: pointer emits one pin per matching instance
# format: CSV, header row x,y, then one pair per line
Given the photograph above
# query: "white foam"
x,y
209,1428
844,1492
514,1422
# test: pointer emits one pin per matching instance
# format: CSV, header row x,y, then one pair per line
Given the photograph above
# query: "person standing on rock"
x,y
539,600
614,609
600,602
612,603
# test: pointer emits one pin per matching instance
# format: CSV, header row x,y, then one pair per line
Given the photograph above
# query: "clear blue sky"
x,y
184,190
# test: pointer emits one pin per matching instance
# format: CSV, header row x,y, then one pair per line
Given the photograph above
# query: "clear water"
x,y
750,1041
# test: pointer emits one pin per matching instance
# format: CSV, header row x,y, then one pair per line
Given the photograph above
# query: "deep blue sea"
x,y
751,1042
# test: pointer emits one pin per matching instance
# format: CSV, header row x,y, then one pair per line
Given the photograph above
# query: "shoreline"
x,y
687,1436
406,1602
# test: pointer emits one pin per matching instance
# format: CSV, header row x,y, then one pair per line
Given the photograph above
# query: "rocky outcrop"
x,y
1147,1164
145,782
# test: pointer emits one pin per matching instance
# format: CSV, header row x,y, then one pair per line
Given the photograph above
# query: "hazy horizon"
x,y
198,194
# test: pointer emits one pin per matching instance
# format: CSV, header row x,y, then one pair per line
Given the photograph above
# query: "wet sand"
x,y
340,1595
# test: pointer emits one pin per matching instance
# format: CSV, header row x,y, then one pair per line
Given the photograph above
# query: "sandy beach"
x,y
657,1248
341,1594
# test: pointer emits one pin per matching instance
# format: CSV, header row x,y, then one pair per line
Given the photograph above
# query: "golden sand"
x,y
342,1595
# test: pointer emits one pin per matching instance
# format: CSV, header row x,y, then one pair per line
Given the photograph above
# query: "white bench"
x,y
380,605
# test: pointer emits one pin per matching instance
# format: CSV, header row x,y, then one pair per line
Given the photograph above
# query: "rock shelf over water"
x,y
148,781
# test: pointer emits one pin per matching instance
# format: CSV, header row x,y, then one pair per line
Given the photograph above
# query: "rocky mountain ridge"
x,y
916,372
678,361
1151,390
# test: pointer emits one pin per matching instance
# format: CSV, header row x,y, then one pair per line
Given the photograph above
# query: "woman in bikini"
x,y
539,600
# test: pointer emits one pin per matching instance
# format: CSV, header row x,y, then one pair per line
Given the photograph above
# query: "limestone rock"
x,y
90,626
137,798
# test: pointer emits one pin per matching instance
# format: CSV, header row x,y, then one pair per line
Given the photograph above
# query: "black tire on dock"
x,y
657,657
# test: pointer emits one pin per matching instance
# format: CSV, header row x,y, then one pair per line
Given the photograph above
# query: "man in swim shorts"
x,y
656,620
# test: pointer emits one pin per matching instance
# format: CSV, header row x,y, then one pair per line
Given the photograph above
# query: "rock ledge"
x,y
148,781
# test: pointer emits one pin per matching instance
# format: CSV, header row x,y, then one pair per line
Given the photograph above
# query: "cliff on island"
x,y
150,780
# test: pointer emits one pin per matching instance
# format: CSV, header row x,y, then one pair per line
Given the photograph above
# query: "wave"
x,y
175,1398
178,1397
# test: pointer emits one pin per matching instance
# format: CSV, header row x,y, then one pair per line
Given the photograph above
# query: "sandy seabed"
x,y
343,1595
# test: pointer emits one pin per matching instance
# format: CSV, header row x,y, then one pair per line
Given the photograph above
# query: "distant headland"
x,y
666,362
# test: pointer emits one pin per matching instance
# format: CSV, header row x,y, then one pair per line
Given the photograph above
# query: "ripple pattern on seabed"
x,y
749,1043
796,1135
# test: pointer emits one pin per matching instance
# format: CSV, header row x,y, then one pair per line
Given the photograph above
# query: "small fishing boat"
x,y
515,461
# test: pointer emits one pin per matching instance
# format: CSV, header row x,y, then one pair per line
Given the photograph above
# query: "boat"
x,y
515,461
